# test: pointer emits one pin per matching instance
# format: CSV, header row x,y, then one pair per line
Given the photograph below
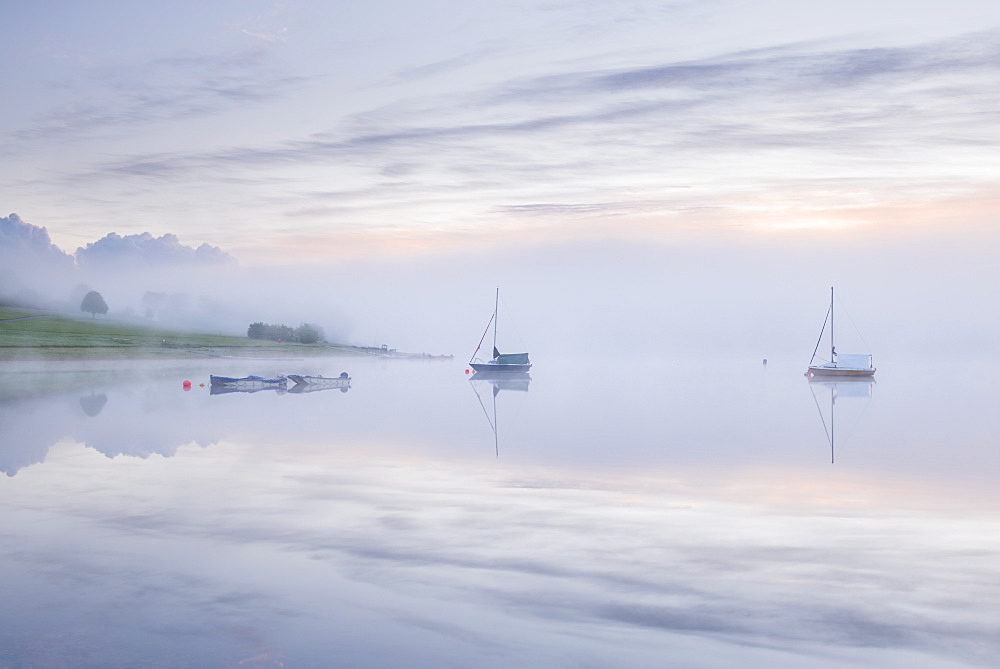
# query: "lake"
x,y
625,512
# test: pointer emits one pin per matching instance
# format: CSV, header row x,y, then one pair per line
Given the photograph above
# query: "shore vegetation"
x,y
27,334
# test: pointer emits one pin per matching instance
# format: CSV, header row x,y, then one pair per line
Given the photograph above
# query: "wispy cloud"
x,y
787,121
269,37
113,101
694,105
444,65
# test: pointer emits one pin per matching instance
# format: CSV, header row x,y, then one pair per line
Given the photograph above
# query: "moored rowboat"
x,y
342,381
247,382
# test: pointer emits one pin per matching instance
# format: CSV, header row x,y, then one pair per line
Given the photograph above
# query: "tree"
x,y
307,333
261,330
94,303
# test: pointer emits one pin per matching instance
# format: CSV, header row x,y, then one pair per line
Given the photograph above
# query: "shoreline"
x,y
31,335
68,352
118,352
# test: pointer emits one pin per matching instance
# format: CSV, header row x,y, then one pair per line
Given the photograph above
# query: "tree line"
x,y
307,333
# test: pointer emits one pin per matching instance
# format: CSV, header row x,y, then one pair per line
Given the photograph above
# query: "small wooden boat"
x,y
840,364
248,382
320,382
502,363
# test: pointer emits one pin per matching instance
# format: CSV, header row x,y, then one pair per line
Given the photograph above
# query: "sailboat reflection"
x,y
856,387
517,381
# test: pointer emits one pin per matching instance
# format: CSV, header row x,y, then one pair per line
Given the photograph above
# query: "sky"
x,y
405,144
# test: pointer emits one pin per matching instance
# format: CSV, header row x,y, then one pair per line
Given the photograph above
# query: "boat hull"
x,y
246,382
841,372
486,368
321,381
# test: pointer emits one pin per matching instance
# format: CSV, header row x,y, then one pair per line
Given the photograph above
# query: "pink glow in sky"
x,y
270,128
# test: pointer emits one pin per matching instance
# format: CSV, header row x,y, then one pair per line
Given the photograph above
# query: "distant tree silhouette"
x,y
153,302
307,333
273,332
94,303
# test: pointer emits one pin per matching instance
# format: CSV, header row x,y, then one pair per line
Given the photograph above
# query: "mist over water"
x,y
626,509
749,295
655,489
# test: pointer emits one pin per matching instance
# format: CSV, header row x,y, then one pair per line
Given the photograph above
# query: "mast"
x,y
496,308
833,348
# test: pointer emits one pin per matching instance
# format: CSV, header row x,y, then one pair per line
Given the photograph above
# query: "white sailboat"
x,y
840,364
502,363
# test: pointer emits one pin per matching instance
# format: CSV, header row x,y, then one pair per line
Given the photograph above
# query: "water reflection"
x,y
313,388
497,381
510,381
227,390
860,387
93,403
683,515
130,411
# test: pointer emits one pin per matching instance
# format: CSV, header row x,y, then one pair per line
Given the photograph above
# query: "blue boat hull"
x,y
247,382
497,368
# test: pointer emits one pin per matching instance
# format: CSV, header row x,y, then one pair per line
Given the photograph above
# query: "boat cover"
x,y
512,359
854,360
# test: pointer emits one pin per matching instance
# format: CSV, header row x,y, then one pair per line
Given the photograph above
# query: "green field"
x,y
27,334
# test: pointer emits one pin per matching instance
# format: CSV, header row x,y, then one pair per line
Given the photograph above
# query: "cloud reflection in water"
x,y
348,543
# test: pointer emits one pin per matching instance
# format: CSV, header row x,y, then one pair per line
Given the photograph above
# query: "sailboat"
x,y
502,363
840,364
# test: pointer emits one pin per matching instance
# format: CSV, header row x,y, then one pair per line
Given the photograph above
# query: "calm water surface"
x,y
631,513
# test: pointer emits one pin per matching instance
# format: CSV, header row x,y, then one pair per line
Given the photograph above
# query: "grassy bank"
x,y
27,334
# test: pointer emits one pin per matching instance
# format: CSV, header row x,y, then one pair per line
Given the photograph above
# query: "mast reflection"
x,y
511,381
857,387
